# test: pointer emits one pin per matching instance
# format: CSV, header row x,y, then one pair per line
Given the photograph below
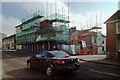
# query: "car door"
x,y
34,62
41,60
49,58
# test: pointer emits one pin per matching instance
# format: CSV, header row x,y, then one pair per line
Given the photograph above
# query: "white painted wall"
x,y
1,37
100,51
8,42
18,30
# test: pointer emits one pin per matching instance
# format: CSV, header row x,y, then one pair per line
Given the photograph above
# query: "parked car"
x,y
53,61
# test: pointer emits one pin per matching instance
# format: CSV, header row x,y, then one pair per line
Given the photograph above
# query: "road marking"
x,y
102,65
7,76
104,73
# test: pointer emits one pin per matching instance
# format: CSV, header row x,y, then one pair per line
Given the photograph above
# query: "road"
x,y
14,66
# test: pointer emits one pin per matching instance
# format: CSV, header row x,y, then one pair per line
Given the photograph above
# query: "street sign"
x,y
36,25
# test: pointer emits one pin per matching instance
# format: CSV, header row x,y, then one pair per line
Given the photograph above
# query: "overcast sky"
x,y
82,14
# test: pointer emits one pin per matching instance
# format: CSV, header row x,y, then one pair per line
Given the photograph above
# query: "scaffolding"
x,y
52,28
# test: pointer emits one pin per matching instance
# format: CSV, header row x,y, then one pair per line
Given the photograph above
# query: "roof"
x,y
114,18
18,25
9,37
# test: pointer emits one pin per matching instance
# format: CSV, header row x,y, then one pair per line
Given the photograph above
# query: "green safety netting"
x,y
47,32
99,36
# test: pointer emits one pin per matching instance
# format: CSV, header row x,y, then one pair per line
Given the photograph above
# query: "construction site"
x,y
38,33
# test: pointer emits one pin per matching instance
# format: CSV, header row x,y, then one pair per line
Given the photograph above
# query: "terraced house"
x,y
113,36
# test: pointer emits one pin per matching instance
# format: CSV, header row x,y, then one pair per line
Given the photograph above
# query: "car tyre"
x,y
49,71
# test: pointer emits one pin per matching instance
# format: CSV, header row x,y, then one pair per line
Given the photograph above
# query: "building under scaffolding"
x,y
38,33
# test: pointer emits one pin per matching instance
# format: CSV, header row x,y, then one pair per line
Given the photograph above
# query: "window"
x,y
103,48
119,46
118,27
12,44
38,56
103,42
41,55
60,54
49,54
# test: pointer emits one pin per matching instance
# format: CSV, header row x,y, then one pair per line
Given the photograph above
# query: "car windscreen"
x,y
60,54
40,54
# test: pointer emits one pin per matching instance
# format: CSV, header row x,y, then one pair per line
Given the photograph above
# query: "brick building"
x,y
73,34
95,41
113,35
94,44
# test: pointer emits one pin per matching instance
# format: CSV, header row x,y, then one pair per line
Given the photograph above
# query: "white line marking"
x,y
104,73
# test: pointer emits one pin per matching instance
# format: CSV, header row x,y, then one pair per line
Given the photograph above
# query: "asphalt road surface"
x,y
14,66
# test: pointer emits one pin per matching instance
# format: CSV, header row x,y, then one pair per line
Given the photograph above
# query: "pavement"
x,y
101,59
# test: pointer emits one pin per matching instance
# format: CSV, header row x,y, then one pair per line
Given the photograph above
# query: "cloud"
x,y
60,0
91,19
77,19
8,24
46,8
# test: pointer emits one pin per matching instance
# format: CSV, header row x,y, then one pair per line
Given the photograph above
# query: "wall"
x,y
111,40
18,30
1,37
100,49
9,43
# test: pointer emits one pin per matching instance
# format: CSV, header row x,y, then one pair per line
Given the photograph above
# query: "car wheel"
x,y
49,71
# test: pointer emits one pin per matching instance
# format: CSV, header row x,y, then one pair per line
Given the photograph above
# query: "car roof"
x,y
54,51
